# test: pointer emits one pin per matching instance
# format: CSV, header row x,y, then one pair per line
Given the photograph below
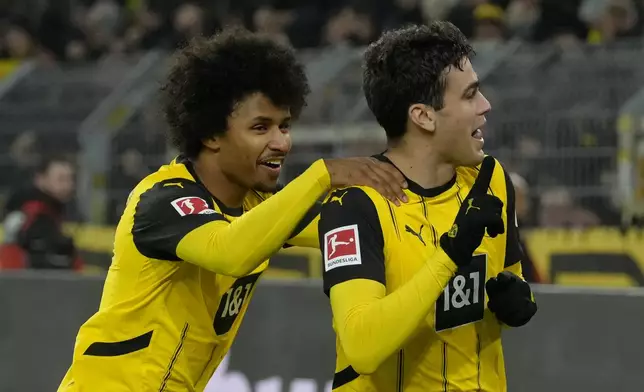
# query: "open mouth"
x,y
273,164
477,134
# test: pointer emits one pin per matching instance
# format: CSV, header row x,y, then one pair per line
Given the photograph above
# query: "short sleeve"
x,y
513,248
167,212
351,239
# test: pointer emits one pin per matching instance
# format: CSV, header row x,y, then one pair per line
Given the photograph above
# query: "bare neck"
x,y
420,163
230,193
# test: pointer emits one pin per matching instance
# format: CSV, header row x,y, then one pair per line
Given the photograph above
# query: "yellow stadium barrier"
x,y
595,257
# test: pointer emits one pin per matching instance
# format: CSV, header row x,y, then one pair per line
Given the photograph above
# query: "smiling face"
x,y
252,150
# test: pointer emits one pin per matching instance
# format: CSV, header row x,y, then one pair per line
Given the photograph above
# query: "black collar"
x,y
230,211
417,189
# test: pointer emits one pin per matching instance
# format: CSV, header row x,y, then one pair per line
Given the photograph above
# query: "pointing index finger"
x,y
482,182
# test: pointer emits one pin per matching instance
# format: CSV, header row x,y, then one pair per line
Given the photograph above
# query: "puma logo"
x,y
470,205
418,234
180,185
337,198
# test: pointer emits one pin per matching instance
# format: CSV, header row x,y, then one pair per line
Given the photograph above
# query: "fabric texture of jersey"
x,y
458,346
163,324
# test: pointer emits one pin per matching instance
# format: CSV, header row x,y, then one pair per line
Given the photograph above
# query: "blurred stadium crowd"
x,y
85,30
76,75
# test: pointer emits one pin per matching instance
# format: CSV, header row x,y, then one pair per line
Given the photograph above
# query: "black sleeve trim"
x,y
310,215
114,349
351,213
513,248
166,213
308,218
344,377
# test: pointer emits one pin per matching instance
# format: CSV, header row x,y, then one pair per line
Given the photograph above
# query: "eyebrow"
x,y
472,86
265,119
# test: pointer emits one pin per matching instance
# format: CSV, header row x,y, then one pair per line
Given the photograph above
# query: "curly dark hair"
x,y
210,76
408,66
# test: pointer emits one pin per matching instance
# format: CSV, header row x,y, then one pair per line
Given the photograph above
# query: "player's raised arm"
x,y
206,238
372,325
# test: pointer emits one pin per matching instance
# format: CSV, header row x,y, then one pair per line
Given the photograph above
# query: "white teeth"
x,y
273,163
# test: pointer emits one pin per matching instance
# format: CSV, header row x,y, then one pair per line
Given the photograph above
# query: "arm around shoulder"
x,y
207,238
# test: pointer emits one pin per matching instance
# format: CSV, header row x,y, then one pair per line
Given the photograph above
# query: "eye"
x,y
285,127
260,127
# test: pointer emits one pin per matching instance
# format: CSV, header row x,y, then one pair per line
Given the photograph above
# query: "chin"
x,y
472,160
268,187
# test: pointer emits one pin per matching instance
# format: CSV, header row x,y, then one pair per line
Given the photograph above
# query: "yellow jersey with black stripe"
x,y
175,293
457,345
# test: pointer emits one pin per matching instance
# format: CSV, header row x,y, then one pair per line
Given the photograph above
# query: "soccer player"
x,y
195,236
407,284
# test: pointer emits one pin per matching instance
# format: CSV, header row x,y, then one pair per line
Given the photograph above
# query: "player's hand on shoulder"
x,y
381,176
510,299
479,212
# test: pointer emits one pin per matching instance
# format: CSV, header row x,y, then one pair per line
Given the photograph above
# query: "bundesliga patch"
x,y
341,247
191,205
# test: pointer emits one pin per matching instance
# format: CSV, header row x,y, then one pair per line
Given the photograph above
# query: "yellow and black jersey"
x,y
183,271
383,264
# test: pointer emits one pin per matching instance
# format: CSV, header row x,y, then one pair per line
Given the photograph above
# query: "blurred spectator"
x,y
558,209
23,158
33,219
188,22
618,19
437,9
489,24
130,170
559,18
521,16
19,43
60,36
149,30
101,23
523,210
462,15
352,25
274,22
90,29
133,167
403,12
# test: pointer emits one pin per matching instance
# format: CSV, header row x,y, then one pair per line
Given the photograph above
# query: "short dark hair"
x,y
407,66
45,163
210,76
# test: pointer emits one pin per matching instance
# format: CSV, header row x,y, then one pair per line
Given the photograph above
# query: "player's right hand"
x,y
479,212
381,176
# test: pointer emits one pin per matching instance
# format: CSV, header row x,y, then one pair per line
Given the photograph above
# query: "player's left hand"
x,y
510,299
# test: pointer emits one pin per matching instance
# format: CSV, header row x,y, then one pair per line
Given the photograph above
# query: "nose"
x,y
485,105
280,141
